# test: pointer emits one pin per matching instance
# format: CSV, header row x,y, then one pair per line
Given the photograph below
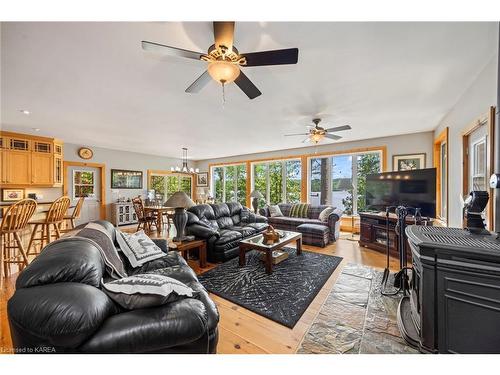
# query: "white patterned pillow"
x,y
323,216
275,211
138,248
146,290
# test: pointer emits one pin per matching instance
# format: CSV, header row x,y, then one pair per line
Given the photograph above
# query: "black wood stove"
x,y
454,301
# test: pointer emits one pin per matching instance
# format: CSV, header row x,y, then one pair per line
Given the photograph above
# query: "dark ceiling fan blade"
x,y
224,34
170,51
200,82
247,86
333,136
307,140
338,128
291,135
275,57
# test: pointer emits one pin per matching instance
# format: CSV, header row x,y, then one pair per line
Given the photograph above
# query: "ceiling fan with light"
x,y
317,133
224,60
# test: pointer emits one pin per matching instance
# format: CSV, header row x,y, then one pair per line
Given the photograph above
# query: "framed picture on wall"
x,y
408,162
202,179
12,195
124,179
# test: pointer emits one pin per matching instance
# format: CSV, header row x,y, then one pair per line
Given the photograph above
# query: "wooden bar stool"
x,y
55,216
14,222
71,218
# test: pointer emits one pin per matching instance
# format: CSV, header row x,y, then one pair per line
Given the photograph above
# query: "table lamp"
x,y
180,201
256,195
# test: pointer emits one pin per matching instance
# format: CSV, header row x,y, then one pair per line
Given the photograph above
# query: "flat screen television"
x,y
415,188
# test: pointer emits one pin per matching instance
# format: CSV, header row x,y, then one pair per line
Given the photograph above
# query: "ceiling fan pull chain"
x,y
223,94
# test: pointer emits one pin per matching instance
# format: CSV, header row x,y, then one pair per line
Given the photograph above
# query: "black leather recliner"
x,y
59,307
223,226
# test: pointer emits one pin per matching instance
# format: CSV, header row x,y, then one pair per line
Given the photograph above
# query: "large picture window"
x,y
167,184
340,180
278,181
229,183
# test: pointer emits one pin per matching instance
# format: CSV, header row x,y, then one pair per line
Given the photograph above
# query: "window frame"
x,y
73,184
284,176
354,174
223,180
166,174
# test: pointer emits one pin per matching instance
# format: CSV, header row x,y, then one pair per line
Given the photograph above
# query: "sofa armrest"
x,y
334,223
254,218
152,329
161,243
201,231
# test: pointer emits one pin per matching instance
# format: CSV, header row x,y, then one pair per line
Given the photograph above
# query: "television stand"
x,y
373,231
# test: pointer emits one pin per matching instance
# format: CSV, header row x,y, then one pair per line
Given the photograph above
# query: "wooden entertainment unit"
x,y
373,233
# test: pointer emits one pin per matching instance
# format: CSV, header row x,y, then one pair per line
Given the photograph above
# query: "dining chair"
x,y
14,221
69,220
54,218
144,219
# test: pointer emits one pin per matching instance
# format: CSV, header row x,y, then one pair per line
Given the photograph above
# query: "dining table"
x,y
159,211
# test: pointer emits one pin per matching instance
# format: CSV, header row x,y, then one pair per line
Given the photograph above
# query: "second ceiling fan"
x,y
317,133
224,60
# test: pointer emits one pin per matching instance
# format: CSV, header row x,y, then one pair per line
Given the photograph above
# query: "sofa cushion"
x,y
285,208
314,211
220,210
138,248
275,211
234,208
228,235
259,227
293,221
202,210
146,290
224,222
323,216
245,231
299,210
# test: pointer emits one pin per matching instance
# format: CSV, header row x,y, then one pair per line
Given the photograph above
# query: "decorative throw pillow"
x,y
299,210
138,248
323,216
146,290
274,210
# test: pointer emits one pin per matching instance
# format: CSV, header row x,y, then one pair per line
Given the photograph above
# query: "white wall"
x,y
115,159
399,144
473,103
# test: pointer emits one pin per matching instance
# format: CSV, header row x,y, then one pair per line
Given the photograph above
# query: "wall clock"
x,y
85,153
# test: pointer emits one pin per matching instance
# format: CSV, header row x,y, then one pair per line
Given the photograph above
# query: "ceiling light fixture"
x,y
184,168
35,129
25,112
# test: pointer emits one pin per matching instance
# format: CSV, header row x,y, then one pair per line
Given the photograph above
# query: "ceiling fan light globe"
x,y
223,71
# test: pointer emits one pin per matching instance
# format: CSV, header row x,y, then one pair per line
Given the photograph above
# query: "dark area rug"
x,y
356,318
282,296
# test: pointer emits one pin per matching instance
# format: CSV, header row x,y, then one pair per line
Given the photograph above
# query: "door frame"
x,y
102,172
442,137
489,120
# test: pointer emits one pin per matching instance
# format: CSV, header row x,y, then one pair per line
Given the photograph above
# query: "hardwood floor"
x,y
242,331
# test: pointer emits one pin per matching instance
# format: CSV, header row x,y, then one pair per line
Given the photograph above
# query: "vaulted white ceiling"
x,y
92,84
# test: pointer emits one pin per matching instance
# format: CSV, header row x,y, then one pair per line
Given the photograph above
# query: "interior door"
x,y
86,182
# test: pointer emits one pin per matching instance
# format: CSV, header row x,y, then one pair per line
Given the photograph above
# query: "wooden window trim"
x,y
160,172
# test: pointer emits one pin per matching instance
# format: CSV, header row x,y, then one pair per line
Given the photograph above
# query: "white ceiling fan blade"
x,y
333,136
291,135
339,128
307,140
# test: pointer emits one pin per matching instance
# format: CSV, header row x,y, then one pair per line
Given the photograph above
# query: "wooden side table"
x,y
184,247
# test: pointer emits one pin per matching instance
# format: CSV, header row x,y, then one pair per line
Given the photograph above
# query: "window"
x,y
278,181
167,184
229,183
83,184
337,179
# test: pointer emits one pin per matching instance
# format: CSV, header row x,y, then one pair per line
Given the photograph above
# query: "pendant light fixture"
x,y
184,168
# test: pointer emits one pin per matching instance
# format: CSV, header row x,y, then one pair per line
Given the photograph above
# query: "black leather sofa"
x,y
223,226
58,306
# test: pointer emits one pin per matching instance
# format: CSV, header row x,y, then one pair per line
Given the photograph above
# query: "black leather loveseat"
x,y
59,307
223,226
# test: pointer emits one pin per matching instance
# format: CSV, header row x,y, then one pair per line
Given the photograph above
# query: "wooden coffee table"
x,y
184,247
257,243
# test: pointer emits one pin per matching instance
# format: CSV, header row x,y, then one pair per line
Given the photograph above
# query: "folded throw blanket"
x,y
98,235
